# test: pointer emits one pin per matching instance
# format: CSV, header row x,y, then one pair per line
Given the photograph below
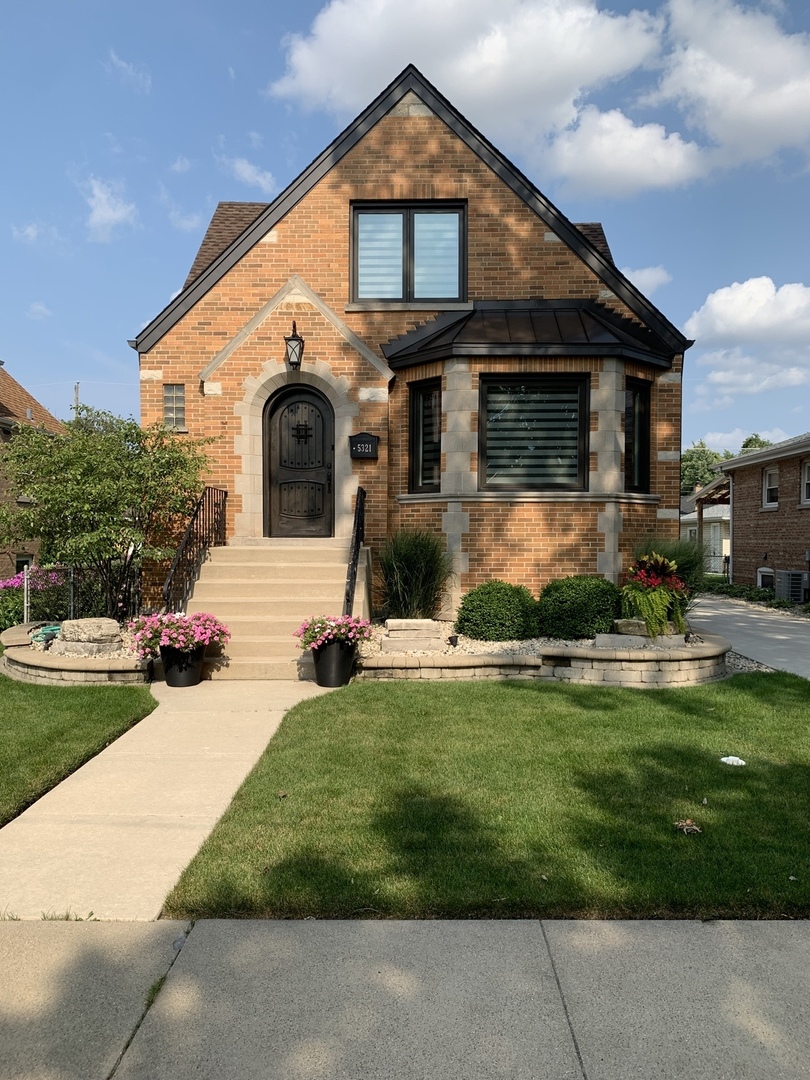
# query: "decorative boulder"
x,y
88,637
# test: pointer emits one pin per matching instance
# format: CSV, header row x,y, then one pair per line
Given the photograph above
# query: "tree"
x,y
696,466
754,442
107,494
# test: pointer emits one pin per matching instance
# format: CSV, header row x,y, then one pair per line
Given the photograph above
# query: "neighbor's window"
x,y
409,252
765,577
637,436
425,435
533,432
770,487
174,406
21,562
805,496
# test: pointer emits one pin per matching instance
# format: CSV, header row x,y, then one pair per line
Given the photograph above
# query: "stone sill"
x,y
529,497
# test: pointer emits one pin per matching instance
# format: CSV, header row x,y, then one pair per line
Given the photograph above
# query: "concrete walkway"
x,y
522,1000
114,837
770,637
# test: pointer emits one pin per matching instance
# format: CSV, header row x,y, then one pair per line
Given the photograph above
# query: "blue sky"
x,y
683,126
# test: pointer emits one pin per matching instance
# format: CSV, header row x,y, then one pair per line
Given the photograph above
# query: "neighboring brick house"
x,y
18,407
526,396
770,517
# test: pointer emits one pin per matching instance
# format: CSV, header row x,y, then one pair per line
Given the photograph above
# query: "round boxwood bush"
x,y
498,611
578,607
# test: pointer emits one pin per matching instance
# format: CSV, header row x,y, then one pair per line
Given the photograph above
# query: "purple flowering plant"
x,y
177,630
320,630
38,579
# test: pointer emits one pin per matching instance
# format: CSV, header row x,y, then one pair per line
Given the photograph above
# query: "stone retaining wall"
x,y
643,668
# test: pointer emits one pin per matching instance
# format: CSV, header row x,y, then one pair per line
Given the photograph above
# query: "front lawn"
x,y
457,800
47,732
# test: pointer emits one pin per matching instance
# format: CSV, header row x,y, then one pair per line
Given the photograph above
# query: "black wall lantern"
x,y
295,349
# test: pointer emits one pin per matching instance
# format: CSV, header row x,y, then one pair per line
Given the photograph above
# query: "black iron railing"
x,y
205,530
358,535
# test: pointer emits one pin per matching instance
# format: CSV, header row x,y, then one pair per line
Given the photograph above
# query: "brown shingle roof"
x,y
16,402
229,221
595,234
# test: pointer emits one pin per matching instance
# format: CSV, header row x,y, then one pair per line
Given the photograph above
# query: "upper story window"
x,y
425,435
174,406
409,252
637,436
770,487
805,492
533,432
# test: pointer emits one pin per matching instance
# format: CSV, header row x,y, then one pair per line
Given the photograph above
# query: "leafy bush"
x,y
11,608
738,592
413,569
578,607
686,554
498,611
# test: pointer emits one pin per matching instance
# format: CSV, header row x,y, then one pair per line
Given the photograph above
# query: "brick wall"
x,y
775,538
511,255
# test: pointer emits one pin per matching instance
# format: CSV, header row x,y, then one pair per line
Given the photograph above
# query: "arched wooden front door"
x,y
298,454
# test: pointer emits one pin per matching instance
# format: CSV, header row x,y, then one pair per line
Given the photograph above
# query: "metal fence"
x,y
56,593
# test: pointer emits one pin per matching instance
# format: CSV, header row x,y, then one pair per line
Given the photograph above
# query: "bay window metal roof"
x,y
528,328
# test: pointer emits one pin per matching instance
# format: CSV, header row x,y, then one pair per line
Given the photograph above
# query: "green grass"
x,y
519,800
47,732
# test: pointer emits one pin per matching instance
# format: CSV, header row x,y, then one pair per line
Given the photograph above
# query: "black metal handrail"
x,y
358,536
205,530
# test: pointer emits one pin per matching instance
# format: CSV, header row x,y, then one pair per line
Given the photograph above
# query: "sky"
x,y
683,126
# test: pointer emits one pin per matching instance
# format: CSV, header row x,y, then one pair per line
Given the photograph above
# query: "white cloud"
x,y
738,78
516,66
108,208
134,76
606,152
733,440
735,374
753,311
525,72
250,174
180,164
648,278
256,139
34,233
38,311
179,218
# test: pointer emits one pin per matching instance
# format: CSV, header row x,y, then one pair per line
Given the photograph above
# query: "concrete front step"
x,y
271,647
290,553
323,604
220,589
301,669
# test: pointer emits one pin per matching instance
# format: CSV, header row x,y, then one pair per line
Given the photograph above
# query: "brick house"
x,y
522,397
19,408
770,517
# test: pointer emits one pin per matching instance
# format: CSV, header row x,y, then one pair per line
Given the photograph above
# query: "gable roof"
x,y
411,80
229,221
799,444
16,404
527,328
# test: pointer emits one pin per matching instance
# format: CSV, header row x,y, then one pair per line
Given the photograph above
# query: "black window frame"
x,y
637,400
417,391
582,382
409,210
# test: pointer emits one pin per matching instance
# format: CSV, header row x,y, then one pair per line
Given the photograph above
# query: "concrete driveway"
x,y
770,637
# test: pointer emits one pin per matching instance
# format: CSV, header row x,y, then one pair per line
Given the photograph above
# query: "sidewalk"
x,y
395,1000
768,636
114,837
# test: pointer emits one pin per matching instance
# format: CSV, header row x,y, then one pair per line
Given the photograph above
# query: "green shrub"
x,y
782,604
412,571
686,554
498,611
578,607
738,592
11,608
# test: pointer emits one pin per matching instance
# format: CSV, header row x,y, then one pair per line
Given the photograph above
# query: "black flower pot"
x,y
180,667
334,663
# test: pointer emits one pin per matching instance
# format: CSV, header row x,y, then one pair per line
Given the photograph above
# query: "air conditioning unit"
x,y
793,585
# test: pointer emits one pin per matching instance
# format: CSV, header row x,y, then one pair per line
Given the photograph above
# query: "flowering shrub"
x,y
320,630
44,594
177,630
655,594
